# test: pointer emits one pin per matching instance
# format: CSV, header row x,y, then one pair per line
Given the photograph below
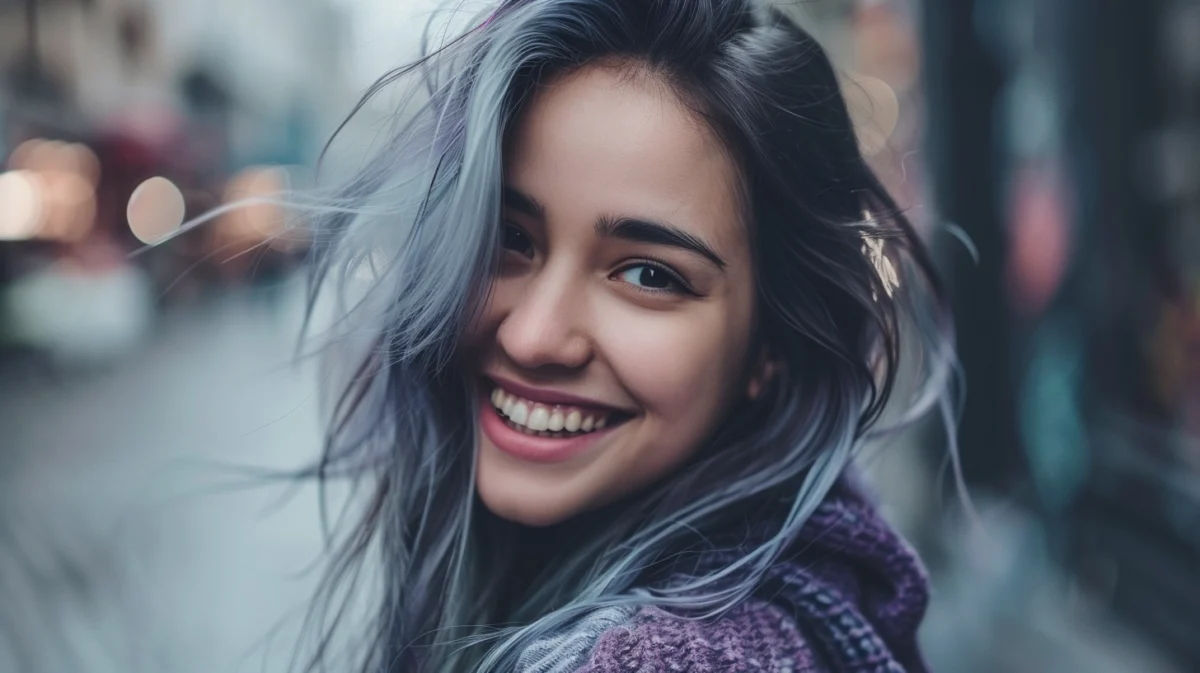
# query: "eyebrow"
x,y
522,204
656,233
625,228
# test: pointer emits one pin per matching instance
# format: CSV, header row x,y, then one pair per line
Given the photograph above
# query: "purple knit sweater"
x,y
849,600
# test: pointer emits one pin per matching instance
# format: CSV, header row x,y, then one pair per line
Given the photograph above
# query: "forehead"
x,y
605,141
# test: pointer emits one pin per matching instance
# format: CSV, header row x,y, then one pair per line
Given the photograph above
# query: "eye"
x,y
653,278
514,238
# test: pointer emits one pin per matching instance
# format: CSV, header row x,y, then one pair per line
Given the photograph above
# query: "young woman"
x,y
627,302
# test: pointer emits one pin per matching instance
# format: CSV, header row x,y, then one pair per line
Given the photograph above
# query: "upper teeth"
x,y
540,417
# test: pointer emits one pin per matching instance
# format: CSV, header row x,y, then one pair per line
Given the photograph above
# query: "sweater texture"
x,y
847,598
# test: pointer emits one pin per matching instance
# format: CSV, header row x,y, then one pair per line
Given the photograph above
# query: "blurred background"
x,y
1049,149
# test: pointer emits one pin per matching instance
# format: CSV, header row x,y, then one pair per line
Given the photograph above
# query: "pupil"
x,y
652,277
516,240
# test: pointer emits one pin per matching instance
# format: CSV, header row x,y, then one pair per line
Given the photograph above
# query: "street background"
x,y
151,404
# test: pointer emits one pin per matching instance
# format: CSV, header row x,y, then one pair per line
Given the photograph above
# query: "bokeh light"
x,y
256,220
874,109
83,162
50,155
22,205
53,193
53,155
22,154
69,209
257,217
156,209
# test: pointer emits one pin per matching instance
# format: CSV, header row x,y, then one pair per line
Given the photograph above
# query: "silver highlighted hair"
x,y
406,251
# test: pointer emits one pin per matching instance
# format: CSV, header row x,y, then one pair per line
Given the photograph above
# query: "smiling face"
x,y
618,332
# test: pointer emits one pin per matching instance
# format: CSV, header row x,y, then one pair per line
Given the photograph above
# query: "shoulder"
x,y
753,636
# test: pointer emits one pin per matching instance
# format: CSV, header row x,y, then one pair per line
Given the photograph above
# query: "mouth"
x,y
544,430
545,419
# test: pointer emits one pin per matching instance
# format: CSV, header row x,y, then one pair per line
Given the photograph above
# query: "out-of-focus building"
x,y
194,91
136,62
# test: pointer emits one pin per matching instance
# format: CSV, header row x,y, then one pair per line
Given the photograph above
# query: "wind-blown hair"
x,y
409,248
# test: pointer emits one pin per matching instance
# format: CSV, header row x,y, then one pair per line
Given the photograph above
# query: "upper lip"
x,y
547,396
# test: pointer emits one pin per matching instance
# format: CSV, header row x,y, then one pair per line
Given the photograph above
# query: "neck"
x,y
528,560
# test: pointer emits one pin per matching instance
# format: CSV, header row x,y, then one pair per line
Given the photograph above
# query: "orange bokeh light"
x,y
255,218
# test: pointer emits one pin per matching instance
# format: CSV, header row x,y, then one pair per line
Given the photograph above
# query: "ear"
x,y
763,372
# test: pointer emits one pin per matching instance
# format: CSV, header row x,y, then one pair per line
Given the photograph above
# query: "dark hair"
x,y
421,220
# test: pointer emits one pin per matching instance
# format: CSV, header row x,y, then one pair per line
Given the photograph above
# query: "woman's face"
x,y
618,332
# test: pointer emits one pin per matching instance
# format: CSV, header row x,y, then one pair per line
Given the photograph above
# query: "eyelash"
x,y
682,286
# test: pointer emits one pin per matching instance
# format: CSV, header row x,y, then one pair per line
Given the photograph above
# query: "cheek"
x,y
681,368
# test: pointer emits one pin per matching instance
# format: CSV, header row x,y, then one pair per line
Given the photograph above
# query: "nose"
x,y
545,325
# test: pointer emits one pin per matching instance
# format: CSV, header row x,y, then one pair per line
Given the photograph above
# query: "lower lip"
x,y
532,447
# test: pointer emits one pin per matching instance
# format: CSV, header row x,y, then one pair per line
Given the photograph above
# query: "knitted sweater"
x,y
848,600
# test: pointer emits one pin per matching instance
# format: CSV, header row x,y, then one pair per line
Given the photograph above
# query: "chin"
x,y
524,510
521,499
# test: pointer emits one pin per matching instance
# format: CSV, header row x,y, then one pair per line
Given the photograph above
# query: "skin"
x,y
578,311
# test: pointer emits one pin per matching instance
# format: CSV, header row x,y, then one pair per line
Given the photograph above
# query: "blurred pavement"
x,y
129,541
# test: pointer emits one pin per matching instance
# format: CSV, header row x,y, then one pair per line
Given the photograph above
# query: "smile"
x,y
547,420
545,431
